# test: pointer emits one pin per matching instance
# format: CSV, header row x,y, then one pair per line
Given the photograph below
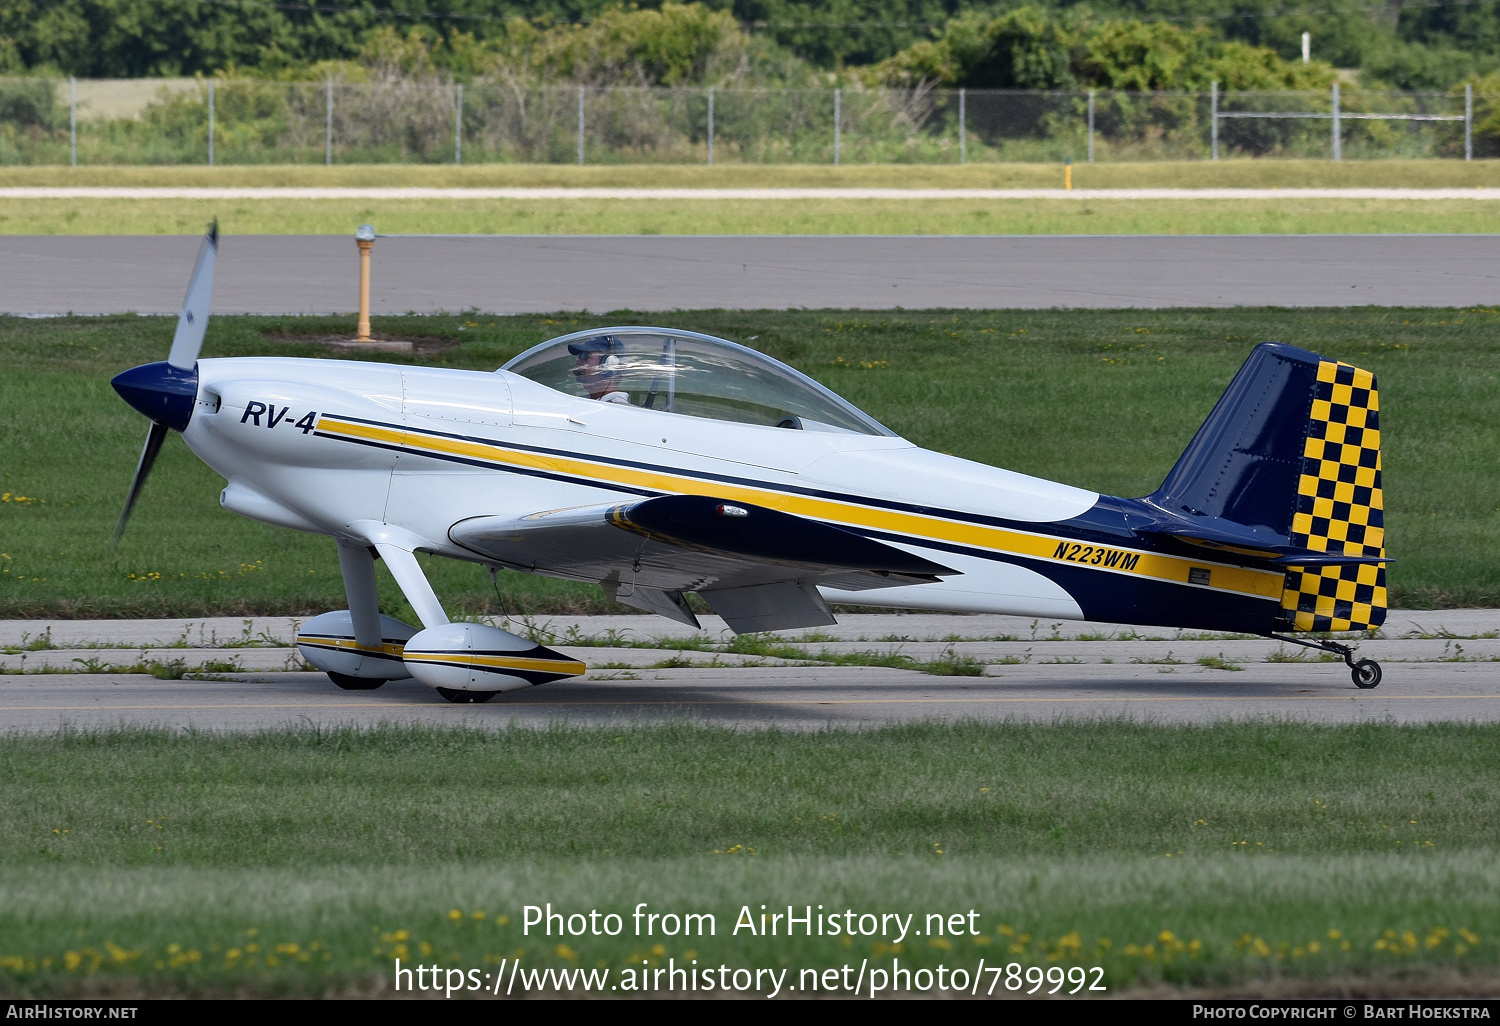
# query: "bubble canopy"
x,y
689,374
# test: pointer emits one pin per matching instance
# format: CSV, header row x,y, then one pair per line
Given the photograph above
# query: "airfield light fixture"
x,y
364,237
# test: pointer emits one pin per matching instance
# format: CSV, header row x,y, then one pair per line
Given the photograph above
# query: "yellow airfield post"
x,y
364,237
1068,175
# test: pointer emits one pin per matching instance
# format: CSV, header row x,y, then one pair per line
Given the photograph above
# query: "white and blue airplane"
x,y
657,462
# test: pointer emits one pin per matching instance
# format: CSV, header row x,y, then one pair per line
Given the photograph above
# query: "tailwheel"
x,y
466,697
349,682
1366,674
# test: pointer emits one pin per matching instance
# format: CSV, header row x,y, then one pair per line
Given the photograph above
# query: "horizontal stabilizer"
x,y
1144,519
1330,559
1237,538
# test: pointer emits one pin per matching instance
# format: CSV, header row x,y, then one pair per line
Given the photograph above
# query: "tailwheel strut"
x,y
1365,672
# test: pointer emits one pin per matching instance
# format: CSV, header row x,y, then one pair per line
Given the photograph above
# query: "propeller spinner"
x,y
165,391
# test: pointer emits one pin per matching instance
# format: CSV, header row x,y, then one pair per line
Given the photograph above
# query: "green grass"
x,y
1102,399
750,217
171,669
1169,174
745,217
1204,855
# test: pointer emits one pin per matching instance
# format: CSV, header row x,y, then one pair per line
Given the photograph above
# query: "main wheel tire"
x,y
1366,674
466,697
352,683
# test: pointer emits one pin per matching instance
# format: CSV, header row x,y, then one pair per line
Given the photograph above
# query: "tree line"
x,y
1118,44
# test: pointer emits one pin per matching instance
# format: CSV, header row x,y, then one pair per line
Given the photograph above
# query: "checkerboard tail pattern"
x,y
1340,507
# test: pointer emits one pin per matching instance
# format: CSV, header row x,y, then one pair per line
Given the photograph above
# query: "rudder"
x,y
1340,506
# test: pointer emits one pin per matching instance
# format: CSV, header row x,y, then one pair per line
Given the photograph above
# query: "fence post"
x,y
1468,121
710,124
962,120
837,99
72,121
1213,119
1338,143
580,126
328,127
210,124
1091,126
458,126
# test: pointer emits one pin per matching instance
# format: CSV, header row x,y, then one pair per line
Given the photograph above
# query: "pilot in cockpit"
x,y
601,359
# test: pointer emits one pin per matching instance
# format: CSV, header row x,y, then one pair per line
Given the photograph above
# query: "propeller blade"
x,y
157,435
193,321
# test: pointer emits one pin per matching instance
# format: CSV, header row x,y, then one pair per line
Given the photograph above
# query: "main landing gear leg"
x,y
357,565
1365,672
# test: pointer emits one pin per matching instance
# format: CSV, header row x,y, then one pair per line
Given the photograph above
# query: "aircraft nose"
x,y
162,392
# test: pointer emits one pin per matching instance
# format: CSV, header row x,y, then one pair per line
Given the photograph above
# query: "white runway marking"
x,y
552,193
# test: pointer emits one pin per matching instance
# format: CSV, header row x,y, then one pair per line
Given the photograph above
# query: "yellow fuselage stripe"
x,y
347,644
1260,583
564,666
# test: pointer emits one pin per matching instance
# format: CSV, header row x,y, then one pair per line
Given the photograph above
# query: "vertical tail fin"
x,y
1288,464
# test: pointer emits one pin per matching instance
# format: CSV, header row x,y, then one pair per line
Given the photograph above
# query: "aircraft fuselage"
x,y
319,445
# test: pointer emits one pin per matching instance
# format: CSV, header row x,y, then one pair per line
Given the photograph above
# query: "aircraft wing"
x,y
758,568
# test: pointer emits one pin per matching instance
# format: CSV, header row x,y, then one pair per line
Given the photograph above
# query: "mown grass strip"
x,y
1408,174
419,796
82,216
296,861
1388,922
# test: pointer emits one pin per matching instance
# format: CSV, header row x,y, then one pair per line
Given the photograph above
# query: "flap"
x,y
670,604
770,607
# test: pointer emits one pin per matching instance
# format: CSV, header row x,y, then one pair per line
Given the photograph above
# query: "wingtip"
x,y
213,232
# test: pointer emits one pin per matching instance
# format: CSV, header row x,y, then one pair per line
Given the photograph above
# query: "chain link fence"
x,y
246,121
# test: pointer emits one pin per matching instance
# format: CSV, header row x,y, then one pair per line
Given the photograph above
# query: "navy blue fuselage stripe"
x,y
1128,598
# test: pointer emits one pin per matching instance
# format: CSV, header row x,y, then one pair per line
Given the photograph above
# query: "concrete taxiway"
x,y
1439,666
289,274
779,696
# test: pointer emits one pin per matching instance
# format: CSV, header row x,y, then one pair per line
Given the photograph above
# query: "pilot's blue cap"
x,y
597,344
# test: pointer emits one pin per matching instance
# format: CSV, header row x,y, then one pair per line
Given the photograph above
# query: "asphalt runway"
x,y
290,274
